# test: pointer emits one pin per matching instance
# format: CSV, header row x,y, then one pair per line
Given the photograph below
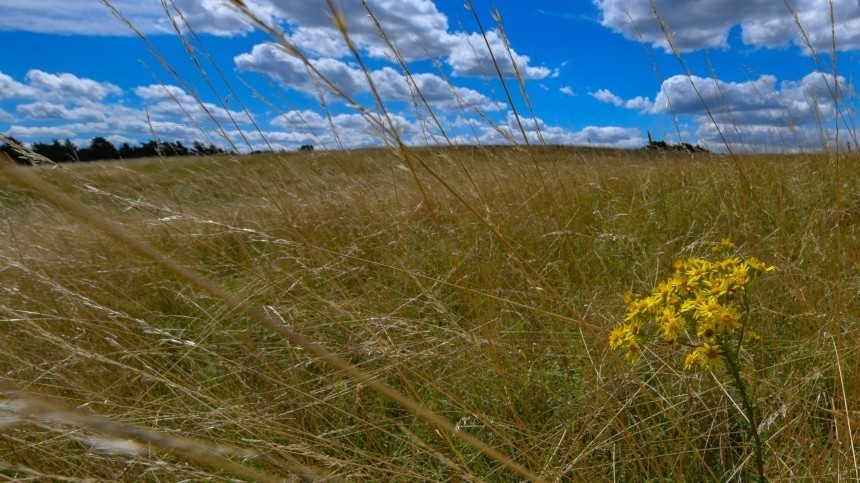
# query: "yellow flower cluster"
x,y
698,303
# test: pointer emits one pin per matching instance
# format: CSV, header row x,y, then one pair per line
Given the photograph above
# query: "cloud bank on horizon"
x,y
450,68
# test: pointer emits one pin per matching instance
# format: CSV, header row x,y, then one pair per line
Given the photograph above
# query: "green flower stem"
x,y
732,366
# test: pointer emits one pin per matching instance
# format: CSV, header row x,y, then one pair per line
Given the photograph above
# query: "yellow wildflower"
x,y
696,269
759,265
629,297
637,307
663,292
633,350
689,361
706,330
740,275
679,284
617,337
728,319
672,325
708,356
696,304
717,286
753,336
708,308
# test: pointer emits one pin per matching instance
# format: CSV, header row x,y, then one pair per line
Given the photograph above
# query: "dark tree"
x,y
100,148
203,150
71,149
175,149
150,149
126,151
56,152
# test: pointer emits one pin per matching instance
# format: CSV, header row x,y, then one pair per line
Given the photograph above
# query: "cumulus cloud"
x,y
63,131
12,89
215,17
51,111
391,84
755,101
414,26
607,96
469,57
70,86
537,130
173,101
89,18
760,114
63,105
171,113
702,24
349,130
93,18
566,91
414,29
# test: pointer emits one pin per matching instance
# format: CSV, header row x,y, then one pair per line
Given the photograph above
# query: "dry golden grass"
x,y
487,301
416,314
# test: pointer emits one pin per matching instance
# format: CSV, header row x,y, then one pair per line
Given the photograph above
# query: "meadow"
x,y
487,299
420,314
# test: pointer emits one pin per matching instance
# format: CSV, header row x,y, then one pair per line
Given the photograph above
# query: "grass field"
x,y
481,283
422,314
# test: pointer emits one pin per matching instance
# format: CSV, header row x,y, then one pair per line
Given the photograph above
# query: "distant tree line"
x,y
664,146
102,149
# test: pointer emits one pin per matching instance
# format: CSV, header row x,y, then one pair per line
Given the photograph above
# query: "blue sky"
x,y
75,71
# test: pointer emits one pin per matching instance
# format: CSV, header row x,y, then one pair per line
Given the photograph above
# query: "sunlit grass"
x,y
343,249
479,284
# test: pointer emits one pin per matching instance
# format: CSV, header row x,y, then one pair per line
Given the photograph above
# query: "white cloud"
x,y
167,101
639,103
701,24
760,100
470,58
64,131
567,91
391,84
344,130
69,86
605,95
12,89
760,115
415,28
215,17
90,17
79,17
602,136
51,111
69,106
412,25
291,72
609,136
